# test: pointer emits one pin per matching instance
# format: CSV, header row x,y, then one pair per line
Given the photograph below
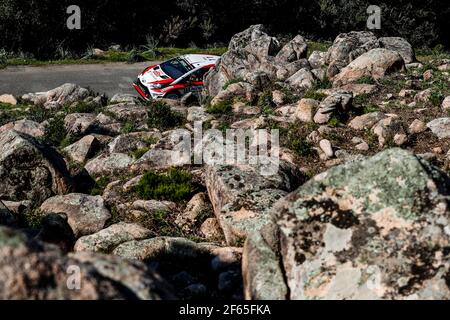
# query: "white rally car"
x,y
176,77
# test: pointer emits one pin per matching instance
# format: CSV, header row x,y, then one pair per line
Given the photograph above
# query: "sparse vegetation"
x,y
99,186
314,94
174,185
137,154
223,107
55,132
161,116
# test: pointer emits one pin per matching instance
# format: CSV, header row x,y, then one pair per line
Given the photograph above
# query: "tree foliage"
x,y
39,26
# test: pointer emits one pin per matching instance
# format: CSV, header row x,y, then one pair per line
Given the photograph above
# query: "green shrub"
x,y
289,96
361,99
38,114
128,128
137,154
175,185
334,122
436,98
300,146
161,116
371,107
314,94
99,186
223,107
365,80
322,84
55,131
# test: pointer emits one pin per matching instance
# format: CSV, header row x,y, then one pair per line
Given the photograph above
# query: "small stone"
x,y
366,121
428,75
211,230
363,146
278,97
326,147
446,103
400,139
417,126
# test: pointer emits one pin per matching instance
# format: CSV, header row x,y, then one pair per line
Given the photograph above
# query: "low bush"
x,y
161,116
223,107
175,185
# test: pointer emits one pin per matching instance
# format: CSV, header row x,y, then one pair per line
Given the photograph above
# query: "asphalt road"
x,y
109,78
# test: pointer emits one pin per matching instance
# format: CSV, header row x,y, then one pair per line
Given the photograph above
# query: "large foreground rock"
x,y
32,270
371,229
30,170
375,63
85,214
241,198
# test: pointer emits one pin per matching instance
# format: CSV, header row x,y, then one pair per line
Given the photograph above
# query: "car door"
x,y
196,80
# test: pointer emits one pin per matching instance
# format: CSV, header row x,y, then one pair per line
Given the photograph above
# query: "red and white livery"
x,y
176,77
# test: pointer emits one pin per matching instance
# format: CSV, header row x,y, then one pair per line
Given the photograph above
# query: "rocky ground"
x,y
358,208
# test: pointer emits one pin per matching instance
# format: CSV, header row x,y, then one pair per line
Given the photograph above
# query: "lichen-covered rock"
x,y
198,114
261,270
108,164
241,197
132,141
306,109
285,71
366,121
346,48
83,149
241,89
85,214
255,40
377,228
66,94
128,112
195,209
177,249
30,170
79,123
33,270
124,98
29,127
375,63
401,46
317,59
294,50
339,102
301,80
107,239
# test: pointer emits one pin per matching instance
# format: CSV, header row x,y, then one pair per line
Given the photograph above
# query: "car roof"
x,y
200,60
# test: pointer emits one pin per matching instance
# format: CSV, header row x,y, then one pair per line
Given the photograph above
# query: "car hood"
x,y
155,75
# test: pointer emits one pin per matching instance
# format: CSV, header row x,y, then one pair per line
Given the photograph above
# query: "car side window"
x,y
199,74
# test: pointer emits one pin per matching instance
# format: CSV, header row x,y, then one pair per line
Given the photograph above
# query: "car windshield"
x,y
175,68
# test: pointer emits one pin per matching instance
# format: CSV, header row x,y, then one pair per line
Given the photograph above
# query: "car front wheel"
x,y
172,96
